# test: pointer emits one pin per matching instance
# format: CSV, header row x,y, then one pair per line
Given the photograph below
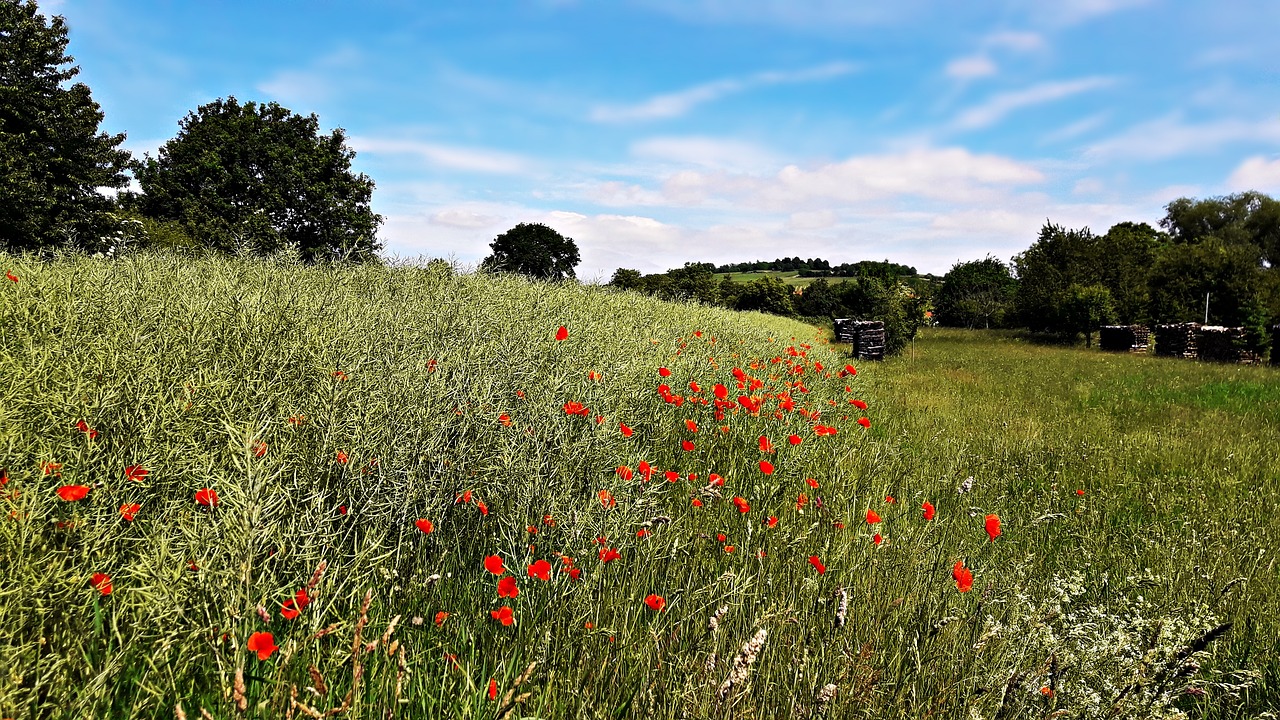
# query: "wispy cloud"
x,y
453,157
1021,41
705,151
1256,173
308,88
998,106
1169,137
970,67
1070,131
1073,12
675,104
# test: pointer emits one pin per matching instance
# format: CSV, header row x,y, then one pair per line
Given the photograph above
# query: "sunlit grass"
x,y
184,367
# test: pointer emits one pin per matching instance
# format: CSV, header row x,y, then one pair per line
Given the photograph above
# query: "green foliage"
x,y
894,303
817,300
695,282
1247,218
976,294
258,178
52,157
768,295
533,250
1184,273
1085,307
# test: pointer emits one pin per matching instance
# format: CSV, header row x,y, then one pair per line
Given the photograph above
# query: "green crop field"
x,y
790,277
248,488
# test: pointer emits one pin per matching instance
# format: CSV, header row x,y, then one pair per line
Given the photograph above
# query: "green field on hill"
x,y
261,489
790,277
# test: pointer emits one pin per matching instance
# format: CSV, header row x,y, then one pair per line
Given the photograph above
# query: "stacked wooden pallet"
x,y
865,337
1124,338
1177,340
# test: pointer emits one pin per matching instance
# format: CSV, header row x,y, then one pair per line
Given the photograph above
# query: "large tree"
x,y
976,294
1247,218
535,250
260,178
53,160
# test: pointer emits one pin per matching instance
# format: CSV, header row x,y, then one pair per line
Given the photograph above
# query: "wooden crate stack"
x,y
1124,338
865,337
1177,340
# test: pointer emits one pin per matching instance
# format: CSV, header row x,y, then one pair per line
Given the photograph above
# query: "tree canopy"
x,y
260,178
978,293
535,250
53,159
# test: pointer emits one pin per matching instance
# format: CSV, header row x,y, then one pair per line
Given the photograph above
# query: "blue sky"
x,y
658,132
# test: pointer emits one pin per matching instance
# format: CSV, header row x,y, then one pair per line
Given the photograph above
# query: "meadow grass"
x,y
331,408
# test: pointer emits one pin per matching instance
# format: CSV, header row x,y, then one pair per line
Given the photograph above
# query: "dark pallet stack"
x,y
1224,344
865,337
1275,345
1177,340
1124,338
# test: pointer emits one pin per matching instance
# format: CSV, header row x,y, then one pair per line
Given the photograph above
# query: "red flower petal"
x,y
101,582
263,643
562,333
655,602
72,493
426,526
493,564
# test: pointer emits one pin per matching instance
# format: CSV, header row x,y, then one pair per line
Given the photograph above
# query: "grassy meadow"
x,y
401,455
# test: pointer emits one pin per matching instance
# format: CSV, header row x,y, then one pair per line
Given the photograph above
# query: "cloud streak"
x,y
998,106
676,104
452,157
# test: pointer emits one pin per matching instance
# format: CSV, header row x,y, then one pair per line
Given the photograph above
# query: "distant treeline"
x,y
817,267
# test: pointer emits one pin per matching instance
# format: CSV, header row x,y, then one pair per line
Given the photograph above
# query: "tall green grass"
x,y
190,368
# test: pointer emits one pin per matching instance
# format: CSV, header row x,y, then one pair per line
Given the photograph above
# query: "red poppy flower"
x,y
691,426
864,422
801,501
765,445
721,392
493,684
593,375
872,517
607,499
83,427
811,483
128,510
697,502
712,479
263,643
576,408
772,521
626,431
426,526
207,497
101,582
540,569
642,533
493,564
342,509
296,420
339,374
655,602
502,615
484,509
505,419
858,404
928,510
1080,493
664,372
688,446
342,457
507,587
259,449
9,274
742,505
645,469
766,467
72,493
135,472
441,617
574,573
695,387
548,521
465,497
607,554
50,468
963,576
794,439
817,564
562,333
993,527
849,370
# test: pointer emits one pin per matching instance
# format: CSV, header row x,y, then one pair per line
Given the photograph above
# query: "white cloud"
x,y
704,151
1071,12
1087,186
464,218
1256,173
994,109
1170,137
304,90
973,66
1018,41
814,220
480,160
1075,129
679,103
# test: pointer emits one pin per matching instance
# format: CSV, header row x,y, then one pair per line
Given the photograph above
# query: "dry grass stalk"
x,y
324,631
714,623
262,613
238,690
710,665
317,680
206,714
386,636
509,704
742,664
315,576
823,698
842,607
179,713
402,669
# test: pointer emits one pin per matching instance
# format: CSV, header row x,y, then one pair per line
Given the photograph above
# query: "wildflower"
x,y
877,539
794,439
772,521
664,372
642,533
645,469
607,499
695,387
562,333
765,445
963,577
742,505
801,501
766,467
441,617
811,483
607,554
484,509
858,404
965,486
548,521
1080,493
259,449
294,606
9,274
655,602
493,564
505,419
207,497
263,643
742,663
135,473
426,526
50,468
83,427
890,499
493,684
817,564
72,493
721,392
576,408
540,569
864,422
691,425
928,510
101,582
128,510
688,446
507,587
993,527
672,476
626,431
842,607
339,374
297,420
849,370
697,502
342,458
872,517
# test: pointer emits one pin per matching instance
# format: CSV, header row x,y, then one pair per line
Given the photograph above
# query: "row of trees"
x,y
240,177
817,267
1224,250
